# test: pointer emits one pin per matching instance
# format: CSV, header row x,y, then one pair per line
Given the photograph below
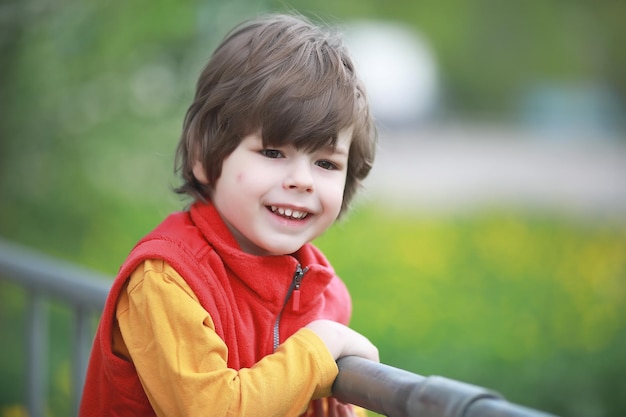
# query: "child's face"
x,y
274,200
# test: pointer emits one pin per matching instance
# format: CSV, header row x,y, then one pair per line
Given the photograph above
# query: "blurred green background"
x,y
526,300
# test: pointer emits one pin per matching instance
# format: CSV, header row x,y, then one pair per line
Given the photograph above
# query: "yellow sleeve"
x,y
182,363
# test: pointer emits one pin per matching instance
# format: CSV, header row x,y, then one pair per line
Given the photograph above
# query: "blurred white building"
x,y
399,71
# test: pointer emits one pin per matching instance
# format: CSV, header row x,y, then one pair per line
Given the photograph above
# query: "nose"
x,y
299,177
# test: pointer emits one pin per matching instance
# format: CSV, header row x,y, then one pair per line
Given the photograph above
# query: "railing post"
x,y
37,348
82,343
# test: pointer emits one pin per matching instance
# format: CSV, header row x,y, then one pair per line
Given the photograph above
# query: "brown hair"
x,y
287,79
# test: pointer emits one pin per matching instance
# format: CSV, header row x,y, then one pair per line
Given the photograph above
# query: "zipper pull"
x,y
296,299
295,296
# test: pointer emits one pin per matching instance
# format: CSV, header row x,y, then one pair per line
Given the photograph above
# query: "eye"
x,y
325,164
271,153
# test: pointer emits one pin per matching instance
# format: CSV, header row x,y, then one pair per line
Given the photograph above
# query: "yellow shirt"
x,y
182,362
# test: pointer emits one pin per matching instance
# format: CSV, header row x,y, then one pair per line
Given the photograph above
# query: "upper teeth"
x,y
287,212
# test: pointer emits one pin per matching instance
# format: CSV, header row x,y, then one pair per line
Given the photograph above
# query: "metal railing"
x,y
44,278
398,393
377,387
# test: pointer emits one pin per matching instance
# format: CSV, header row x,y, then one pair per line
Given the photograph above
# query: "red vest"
x,y
251,299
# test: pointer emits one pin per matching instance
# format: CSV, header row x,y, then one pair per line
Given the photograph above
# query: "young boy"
x,y
227,308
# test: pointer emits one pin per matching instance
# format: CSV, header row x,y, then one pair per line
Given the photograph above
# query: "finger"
x,y
318,408
340,409
345,410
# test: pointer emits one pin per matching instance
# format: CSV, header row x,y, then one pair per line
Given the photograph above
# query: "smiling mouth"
x,y
289,213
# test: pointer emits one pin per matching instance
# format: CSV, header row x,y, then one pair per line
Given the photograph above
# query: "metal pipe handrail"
x,y
47,275
398,393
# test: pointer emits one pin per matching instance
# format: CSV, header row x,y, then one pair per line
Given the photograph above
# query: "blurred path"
x,y
460,168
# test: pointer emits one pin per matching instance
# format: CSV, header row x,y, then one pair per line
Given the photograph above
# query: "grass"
x,y
529,305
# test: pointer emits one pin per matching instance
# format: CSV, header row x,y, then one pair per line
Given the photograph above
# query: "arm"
x,y
159,318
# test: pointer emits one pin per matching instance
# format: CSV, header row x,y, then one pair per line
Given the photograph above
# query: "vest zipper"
x,y
294,289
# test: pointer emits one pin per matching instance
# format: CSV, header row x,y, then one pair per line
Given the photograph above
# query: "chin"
x,y
282,249
280,252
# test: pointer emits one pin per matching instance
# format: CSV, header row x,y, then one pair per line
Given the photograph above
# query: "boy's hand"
x,y
334,408
343,341
338,409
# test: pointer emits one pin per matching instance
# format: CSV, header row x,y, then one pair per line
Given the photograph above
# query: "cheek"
x,y
248,183
333,195
237,176
248,180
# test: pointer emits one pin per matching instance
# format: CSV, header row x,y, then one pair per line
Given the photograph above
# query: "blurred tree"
x,y
10,28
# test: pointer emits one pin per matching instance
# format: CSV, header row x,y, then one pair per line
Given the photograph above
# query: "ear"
x,y
198,172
